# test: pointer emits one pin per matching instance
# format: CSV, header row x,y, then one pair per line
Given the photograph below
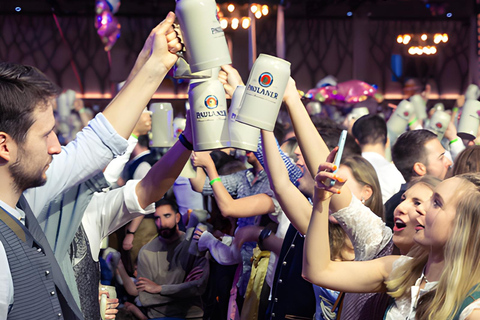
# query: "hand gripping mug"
x,y
204,38
439,123
162,124
264,92
398,121
242,136
469,120
208,111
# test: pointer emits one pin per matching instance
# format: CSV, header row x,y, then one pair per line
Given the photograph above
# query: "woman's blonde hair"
x,y
403,277
461,273
462,259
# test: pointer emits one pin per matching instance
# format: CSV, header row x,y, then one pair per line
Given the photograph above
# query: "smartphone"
x,y
338,157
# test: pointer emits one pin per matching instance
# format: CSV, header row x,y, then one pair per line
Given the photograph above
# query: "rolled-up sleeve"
x,y
93,149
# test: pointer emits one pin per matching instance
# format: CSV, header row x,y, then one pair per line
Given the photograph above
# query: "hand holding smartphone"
x,y
338,157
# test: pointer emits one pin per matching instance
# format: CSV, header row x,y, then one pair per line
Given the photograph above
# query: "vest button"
x,y
59,315
273,315
293,245
39,250
276,299
47,273
280,280
52,293
284,263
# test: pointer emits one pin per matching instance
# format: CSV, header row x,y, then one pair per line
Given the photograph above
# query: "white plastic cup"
x,y
420,106
469,120
439,123
208,112
398,121
205,42
162,124
264,92
242,136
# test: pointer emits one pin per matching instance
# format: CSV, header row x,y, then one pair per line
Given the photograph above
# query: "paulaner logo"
x,y
216,30
211,102
265,79
210,114
262,91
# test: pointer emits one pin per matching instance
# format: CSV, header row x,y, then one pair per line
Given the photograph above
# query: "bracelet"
x,y
453,141
130,232
215,180
413,121
266,232
134,136
185,142
82,110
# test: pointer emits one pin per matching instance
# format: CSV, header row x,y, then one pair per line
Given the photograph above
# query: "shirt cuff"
x,y
131,199
108,135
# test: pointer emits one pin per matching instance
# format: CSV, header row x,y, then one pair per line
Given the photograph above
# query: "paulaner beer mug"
x,y
162,124
439,123
208,111
242,136
420,106
204,38
469,120
264,92
398,121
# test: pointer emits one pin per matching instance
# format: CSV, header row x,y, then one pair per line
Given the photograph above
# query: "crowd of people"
x,y
104,227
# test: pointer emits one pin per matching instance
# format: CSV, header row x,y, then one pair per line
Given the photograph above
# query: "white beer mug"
x,y
264,92
398,121
439,123
242,136
420,106
469,120
162,124
204,38
208,112
472,92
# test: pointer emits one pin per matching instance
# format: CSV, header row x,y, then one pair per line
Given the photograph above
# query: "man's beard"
x,y
167,233
22,180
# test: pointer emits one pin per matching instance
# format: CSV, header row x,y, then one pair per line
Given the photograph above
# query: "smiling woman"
x,y
448,233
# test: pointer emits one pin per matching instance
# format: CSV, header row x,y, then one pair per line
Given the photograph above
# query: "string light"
x,y
245,23
223,23
231,7
265,10
234,23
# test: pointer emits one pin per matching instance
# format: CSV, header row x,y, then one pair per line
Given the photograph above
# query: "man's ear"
x,y
420,169
178,216
5,147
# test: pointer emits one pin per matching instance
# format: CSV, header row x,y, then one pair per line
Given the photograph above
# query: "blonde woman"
x,y
439,277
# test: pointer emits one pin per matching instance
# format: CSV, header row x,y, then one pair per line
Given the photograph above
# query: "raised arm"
x,y
244,207
293,202
314,149
356,276
153,63
164,173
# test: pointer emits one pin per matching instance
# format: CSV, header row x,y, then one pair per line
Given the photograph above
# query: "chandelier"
x,y
422,44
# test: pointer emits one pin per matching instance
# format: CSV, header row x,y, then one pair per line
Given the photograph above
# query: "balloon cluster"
x,y
343,94
108,27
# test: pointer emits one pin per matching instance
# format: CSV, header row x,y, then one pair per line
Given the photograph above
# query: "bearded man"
x,y
171,280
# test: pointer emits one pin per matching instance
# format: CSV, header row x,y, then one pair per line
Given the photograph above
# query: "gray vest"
x,y
61,218
40,291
